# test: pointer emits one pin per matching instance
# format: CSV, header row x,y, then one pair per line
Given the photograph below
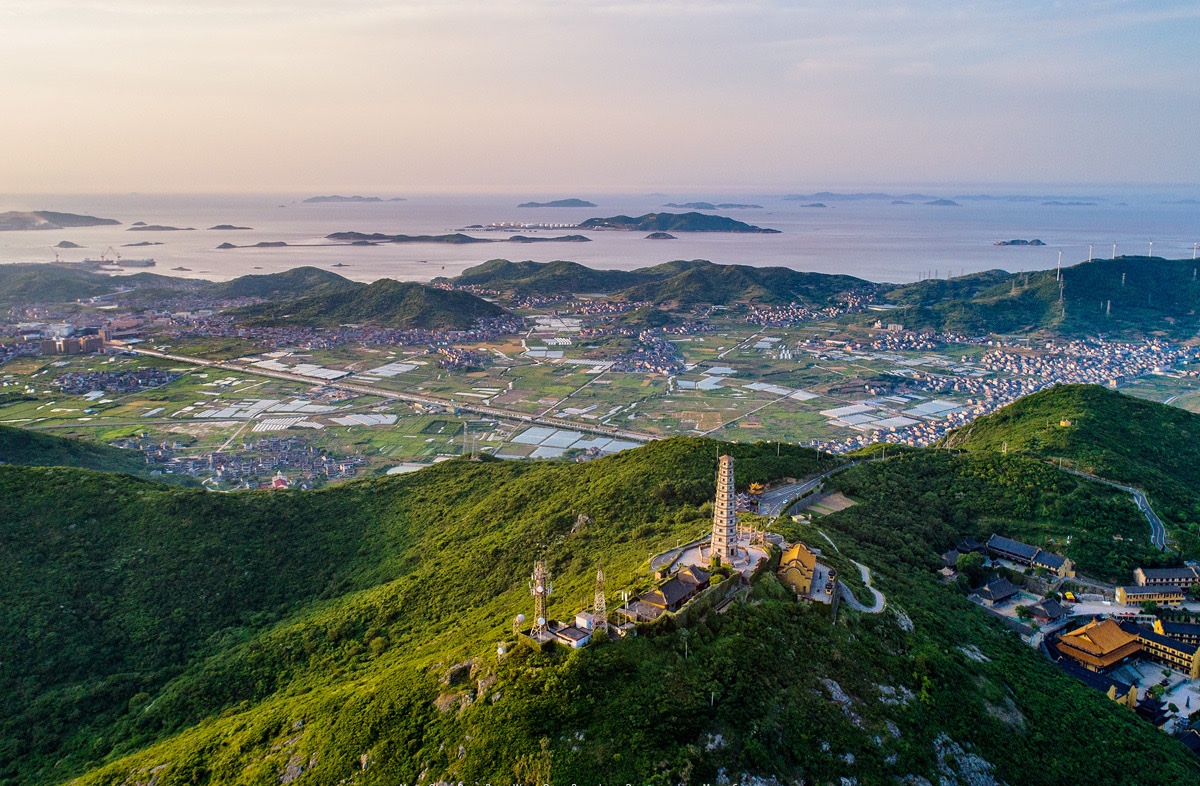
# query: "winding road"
x,y
1158,533
848,596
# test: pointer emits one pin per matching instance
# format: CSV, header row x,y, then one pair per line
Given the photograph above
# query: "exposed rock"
x,y
1007,713
294,768
895,696
842,699
974,653
447,701
715,742
958,766
457,673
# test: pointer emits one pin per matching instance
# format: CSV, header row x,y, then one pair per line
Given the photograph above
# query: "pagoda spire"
x,y
724,533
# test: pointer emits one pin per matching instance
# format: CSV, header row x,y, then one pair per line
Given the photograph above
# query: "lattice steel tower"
x,y
724,534
539,585
600,607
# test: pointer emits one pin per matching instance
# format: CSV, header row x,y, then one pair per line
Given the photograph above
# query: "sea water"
x,y
871,239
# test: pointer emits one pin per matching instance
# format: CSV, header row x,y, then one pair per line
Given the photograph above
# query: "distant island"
x,y
559,203
262,244
1056,203
943,203
815,204
1034,242
901,202
20,220
673,222
711,206
660,236
458,238
140,227
143,243
228,226
67,244
355,198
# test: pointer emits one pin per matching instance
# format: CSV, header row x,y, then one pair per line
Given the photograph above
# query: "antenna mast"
x,y
539,585
600,606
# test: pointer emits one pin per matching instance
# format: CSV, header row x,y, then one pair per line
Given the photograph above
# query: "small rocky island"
x,y
560,203
674,222
660,236
228,226
143,227
1034,242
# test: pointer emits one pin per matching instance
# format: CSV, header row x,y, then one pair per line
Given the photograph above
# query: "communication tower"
x,y
600,606
539,585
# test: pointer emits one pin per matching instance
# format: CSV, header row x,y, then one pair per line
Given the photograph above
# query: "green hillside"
x,y
293,283
681,282
258,637
22,285
564,278
727,284
1108,434
30,448
33,283
1127,296
673,222
385,302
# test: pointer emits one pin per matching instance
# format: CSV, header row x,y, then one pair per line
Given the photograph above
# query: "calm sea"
x,y
872,239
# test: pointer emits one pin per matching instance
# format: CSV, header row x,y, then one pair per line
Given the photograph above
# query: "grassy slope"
x,y
385,302
1148,297
25,284
252,630
293,283
30,448
1111,435
122,585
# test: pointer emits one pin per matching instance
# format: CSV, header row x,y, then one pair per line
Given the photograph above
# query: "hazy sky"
x,y
572,96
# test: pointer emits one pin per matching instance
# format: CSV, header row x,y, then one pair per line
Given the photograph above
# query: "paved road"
x,y
852,602
774,502
368,390
1158,533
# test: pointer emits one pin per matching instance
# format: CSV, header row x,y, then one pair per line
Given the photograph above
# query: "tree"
x,y
1024,613
971,566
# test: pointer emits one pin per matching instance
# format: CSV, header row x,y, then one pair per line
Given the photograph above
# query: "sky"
x,y
560,96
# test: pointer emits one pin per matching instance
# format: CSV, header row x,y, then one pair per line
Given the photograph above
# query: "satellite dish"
x,y
520,618
541,620
500,650
540,589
